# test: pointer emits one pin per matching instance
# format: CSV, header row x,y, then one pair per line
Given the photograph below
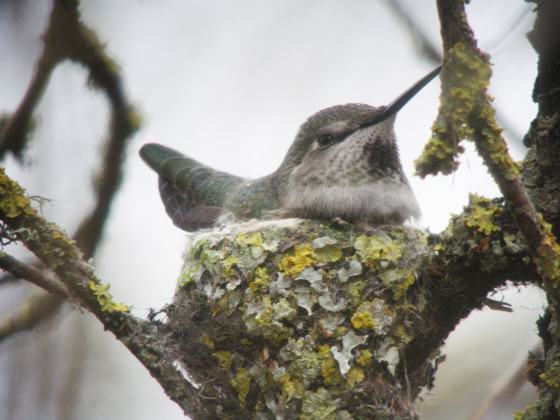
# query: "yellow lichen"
x,y
134,118
374,249
364,358
225,359
354,376
294,263
241,382
291,388
207,341
403,333
261,279
363,320
551,376
491,143
481,215
329,367
105,299
267,321
355,290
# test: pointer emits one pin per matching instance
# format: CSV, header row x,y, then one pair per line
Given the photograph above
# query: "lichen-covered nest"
x,y
300,319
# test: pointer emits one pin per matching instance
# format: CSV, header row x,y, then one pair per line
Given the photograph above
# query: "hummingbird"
x,y
343,164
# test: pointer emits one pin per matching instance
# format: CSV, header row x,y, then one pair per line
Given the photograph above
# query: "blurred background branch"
x,y
68,38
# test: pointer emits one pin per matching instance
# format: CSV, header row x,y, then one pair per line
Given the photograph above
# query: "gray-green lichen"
x,y
465,77
465,113
305,319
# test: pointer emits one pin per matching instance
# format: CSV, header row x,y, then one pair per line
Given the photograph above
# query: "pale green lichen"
x,y
268,319
105,299
547,258
480,215
13,200
326,249
250,239
261,280
318,405
375,250
398,280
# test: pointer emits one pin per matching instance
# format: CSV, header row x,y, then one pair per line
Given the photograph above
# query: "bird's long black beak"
x,y
402,100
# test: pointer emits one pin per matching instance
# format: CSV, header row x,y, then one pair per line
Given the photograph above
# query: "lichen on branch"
x,y
465,77
492,147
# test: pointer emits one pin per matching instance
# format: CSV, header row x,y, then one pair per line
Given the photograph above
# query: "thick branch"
x,y
480,124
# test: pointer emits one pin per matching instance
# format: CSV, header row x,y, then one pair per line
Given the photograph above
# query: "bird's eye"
x,y
325,140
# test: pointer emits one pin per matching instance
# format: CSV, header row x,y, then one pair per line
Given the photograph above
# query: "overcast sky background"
x,y
229,83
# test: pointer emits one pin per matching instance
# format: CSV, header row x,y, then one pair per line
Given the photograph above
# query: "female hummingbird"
x,y
344,162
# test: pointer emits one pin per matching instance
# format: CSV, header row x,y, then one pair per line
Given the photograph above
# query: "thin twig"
x,y
32,274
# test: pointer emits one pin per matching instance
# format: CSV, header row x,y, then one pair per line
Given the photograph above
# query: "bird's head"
x,y
346,156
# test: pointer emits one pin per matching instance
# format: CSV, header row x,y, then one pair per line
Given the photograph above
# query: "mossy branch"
x,y
146,340
68,38
466,112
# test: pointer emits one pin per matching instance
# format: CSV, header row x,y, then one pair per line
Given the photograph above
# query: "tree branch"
x,y
466,112
148,341
32,274
67,37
